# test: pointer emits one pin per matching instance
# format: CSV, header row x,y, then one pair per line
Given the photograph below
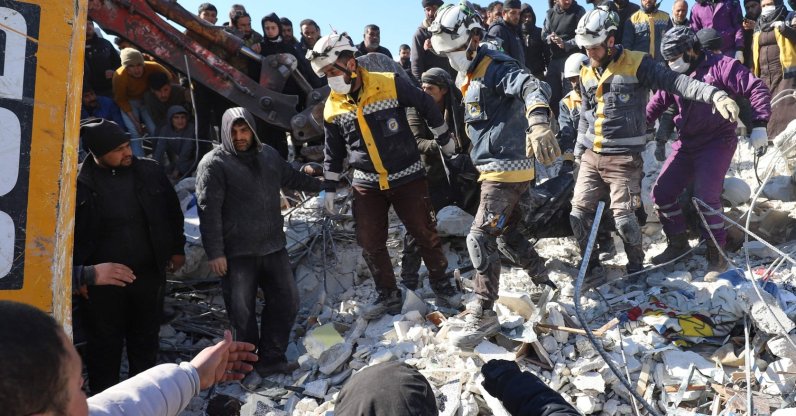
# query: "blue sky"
x,y
398,19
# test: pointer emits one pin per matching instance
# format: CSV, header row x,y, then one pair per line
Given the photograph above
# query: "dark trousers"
x,y
555,77
118,316
273,275
413,206
410,256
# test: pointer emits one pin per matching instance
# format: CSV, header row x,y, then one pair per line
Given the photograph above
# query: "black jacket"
x,y
424,59
563,23
524,394
537,54
238,195
100,57
157,199
510,37
362,50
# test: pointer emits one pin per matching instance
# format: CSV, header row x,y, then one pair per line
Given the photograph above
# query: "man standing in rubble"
x,y
507,117
365,119
237,189
706,142
611,131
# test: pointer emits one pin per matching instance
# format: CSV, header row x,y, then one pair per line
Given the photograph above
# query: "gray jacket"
x,y
238,195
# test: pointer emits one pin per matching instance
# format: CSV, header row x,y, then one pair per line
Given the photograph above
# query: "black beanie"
x,y
429,3
436,76
512,4
709,39
100,136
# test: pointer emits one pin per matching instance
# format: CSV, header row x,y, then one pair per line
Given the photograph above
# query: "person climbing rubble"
x,y
237,190
501,99
706,142
365,119
611,131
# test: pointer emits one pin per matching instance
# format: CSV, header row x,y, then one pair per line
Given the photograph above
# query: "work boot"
x,y
538,273
447,295
387,302
635,258
479,323
606,249
678,245
716,262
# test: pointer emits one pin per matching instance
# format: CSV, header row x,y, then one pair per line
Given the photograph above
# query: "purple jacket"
x,y
696,122
725,16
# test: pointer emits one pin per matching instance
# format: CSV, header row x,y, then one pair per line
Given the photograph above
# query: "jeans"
x,y
143,116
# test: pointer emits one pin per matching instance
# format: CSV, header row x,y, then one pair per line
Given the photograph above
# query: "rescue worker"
x,y
365,119
725,16
444,189
706,142
645,28
611,132
569,111
502,100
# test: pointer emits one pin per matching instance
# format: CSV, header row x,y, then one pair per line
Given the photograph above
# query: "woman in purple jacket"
x,y
706,141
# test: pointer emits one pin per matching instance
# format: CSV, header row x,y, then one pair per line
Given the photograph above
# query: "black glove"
x,y
567,166
660,151
497,373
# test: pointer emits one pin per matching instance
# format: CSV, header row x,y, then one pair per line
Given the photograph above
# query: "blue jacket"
x,y
106,108
498,97
644,32
613,119
568,118
372,130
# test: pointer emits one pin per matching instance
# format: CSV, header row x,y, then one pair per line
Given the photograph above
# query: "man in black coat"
x,y
128,233
507,29
422,55
537,54
523,393
100,63
237,189
559,33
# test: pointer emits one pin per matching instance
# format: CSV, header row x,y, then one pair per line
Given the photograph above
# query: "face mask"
x,y
680,65
459,61
768,10
338,84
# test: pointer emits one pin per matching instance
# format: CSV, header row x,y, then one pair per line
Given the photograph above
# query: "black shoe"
x,y
387,302
447,295
678,245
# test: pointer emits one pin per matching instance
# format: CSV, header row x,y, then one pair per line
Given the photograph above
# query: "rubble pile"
x,y
681,337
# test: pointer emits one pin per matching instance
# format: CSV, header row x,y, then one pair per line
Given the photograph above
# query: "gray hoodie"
x,y
169,140
238,194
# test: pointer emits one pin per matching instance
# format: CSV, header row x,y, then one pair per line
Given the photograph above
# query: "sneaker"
x,y
478,325
387,302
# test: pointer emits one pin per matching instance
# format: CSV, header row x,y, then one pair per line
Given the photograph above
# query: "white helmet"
x,y
573,64
594,27
736,192
453,26
327,49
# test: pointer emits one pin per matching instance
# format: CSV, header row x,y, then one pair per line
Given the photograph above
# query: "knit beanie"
x,y
429,3
131,56
436,76
100,136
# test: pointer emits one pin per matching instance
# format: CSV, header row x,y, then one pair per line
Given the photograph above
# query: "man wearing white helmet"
x,y
506,114
611,131
569,111
365,121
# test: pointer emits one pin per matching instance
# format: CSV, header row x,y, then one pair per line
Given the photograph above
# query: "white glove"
x,y
739,56
449,149
759,138
778,25
726,106
328,202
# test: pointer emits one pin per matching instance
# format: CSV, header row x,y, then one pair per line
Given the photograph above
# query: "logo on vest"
x,y
392,124
624,98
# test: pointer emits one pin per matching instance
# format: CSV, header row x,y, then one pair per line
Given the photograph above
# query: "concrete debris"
x,y
489,351
519,303
452,221
317,388
413,303
331,359
321,339
588,404
592,381
766,314
782,348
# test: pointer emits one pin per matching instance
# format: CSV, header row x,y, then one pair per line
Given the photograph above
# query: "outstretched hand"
x,y
225,361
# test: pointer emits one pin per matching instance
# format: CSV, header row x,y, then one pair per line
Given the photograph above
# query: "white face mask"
x,y
338,84
679,65
459,61
768,10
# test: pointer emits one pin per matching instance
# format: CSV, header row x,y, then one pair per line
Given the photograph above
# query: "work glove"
x,y
759,140
726,106
449,148
660,150
778,25
496,374
541,143
739,56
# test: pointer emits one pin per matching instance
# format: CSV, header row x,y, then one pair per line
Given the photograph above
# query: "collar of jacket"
x,y
89,167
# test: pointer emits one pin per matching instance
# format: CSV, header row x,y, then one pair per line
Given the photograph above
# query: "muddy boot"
x,y
716,262
606,249
447,295
635,258
537,271
678,245
387,302
480,323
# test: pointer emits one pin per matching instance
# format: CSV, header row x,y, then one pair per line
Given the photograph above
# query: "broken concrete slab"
x,y
452,221
591,380
584,365
588,404
780,347
451,398
519,303
317,388
334,357
677,362
489,351
778,378
320,339
764,313
413,302
555,316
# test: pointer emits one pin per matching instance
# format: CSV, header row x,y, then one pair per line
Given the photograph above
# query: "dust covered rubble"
x,y
678,333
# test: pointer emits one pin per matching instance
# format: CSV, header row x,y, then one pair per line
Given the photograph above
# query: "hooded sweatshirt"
x,y
238,194
167,134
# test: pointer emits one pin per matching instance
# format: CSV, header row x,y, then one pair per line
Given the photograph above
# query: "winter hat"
x,y
131,56
436,76
512,4
429,3
709,38
100,136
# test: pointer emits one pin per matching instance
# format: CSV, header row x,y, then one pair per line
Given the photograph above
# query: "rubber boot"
x,y
678,245
716,262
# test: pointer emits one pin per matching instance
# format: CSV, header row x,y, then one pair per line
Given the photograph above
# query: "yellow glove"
x,y
541,142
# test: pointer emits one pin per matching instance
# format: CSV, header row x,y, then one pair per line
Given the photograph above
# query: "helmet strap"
x,y
351,74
